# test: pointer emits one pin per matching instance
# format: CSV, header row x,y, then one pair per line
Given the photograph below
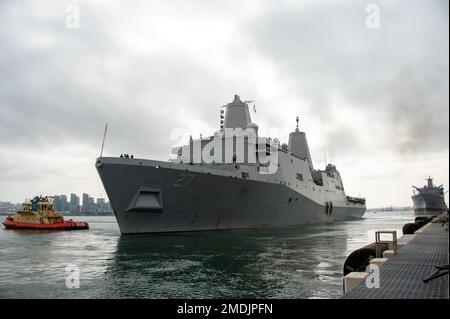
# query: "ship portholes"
x,y
328,208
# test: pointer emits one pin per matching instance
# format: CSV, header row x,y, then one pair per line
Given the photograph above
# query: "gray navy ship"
x,y
271,185
429,198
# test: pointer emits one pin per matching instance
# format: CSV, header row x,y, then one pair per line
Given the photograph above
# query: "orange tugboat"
x,y
38,213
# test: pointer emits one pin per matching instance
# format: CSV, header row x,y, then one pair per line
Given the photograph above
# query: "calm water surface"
x,y
301,262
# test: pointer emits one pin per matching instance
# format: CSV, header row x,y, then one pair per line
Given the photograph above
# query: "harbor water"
x,y
300,262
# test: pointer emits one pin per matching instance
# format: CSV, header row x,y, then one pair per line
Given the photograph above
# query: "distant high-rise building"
x,y
85,199
64,204
57,202
91,205
74,203
88,204
85,207
103,206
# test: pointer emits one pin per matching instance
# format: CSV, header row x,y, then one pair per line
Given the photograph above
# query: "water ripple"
x,y
301,262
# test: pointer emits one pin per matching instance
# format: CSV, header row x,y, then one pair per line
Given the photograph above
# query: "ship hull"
x,y
151,199
428,203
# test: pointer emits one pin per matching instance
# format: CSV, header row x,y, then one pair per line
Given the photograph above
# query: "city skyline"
x,y
70,203
87,204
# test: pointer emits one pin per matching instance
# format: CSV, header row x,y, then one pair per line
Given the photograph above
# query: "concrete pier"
x,y
401,276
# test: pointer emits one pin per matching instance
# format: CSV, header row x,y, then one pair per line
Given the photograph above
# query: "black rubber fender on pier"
x,y
410,228
423,219
359,259
421,223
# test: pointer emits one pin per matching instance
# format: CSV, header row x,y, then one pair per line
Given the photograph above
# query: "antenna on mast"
x,y
103,143
325,155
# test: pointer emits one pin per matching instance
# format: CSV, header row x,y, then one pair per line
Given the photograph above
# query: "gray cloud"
x,y
342,141
66,91
152,66
419,112
327,50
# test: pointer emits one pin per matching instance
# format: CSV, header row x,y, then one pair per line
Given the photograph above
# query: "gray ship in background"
x,y
150,196
429,198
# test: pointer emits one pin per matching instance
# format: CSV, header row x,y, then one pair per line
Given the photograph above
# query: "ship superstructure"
x,y
254,182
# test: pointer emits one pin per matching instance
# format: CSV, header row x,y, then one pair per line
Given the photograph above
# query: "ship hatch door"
x,y
146,199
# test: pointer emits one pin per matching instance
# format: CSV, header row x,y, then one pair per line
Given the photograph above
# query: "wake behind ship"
x,y
255,185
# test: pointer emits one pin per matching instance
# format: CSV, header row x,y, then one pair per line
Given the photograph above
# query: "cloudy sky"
x,y
377,99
